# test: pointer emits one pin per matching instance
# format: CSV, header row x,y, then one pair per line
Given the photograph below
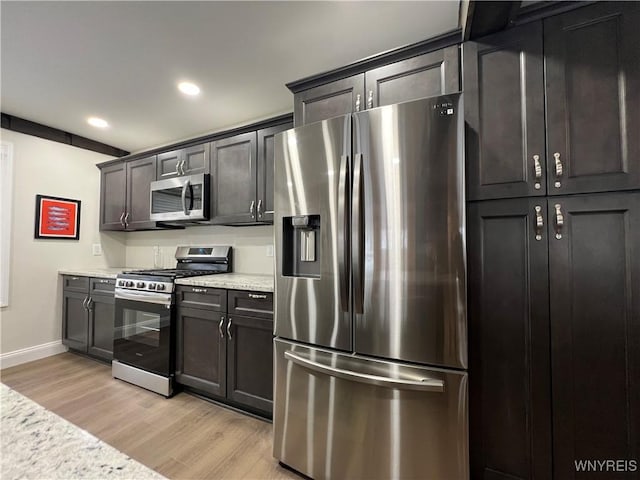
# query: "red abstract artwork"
x,y
57,218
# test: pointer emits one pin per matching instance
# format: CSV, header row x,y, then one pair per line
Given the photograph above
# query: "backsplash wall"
x,y
250,245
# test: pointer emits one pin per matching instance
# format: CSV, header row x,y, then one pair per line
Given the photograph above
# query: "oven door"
x,y
144,331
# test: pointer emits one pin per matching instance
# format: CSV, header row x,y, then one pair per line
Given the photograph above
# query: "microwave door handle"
x,y
186,186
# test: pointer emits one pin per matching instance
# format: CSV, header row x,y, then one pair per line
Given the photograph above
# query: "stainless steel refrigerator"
x,y
370,313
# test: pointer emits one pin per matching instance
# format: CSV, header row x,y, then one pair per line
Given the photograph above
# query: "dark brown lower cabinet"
x,y
88,309
554,335
226,356
250,362
201,350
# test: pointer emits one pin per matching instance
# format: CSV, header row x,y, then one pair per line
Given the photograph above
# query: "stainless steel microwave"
x,y
180,198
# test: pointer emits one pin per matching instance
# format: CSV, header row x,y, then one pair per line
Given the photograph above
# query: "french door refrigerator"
x,y
370,351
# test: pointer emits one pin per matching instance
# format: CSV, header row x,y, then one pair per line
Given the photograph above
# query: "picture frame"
x,y
57,218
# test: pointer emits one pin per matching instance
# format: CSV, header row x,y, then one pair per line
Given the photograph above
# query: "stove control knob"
x,y
129,284
152,286
160,286
140,285
121,283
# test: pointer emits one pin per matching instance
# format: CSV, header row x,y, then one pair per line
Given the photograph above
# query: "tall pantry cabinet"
x,y
553,165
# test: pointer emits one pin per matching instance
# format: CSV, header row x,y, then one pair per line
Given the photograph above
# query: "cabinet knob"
x,y
537,170
558,165
559,221
539,222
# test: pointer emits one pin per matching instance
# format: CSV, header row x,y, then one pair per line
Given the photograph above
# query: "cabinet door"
x,y
330,100
167,165
264,207
595,329
592,61
101,326
250,362
196,159
426,75
504,113
75,325
233,182
140,174
113,184
201,350
510,417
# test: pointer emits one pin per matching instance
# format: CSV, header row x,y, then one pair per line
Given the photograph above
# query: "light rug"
x,y
38,444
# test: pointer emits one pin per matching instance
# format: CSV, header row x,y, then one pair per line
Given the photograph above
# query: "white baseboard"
x,y
29,354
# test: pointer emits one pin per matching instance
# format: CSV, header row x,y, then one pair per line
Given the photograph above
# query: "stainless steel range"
x,y
144,338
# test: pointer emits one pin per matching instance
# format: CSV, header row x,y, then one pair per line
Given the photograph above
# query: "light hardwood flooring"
x,y
181,438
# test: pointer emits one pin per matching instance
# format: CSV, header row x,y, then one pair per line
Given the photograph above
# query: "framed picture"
x,y
57,218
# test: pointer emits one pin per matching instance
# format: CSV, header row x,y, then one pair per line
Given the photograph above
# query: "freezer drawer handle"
x,y
422,384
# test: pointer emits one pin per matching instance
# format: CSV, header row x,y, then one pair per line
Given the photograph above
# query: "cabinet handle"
x,y
229,329
558,164
104,281
357,102
126,220
122,219
538,171
539,222
199,290
90,304
182,167
559,221
220,327
255,295
370,99
260,208
84,303
252,209
75,278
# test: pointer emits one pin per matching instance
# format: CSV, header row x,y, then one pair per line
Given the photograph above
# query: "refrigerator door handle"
x,y
421,384
343,227
357,228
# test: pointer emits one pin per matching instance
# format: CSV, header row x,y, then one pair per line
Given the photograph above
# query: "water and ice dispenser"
x,y
301,246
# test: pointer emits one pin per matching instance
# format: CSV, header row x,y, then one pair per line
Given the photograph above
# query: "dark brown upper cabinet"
x,y
425,75
234,176
186,161
264,199
583,67
330,100
504,114
242,177
124,195
592,64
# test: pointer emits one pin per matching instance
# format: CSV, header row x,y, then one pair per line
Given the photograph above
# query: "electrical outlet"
x,y
269,250
96,249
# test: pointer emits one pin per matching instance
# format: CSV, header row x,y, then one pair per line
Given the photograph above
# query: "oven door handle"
x,y
145,297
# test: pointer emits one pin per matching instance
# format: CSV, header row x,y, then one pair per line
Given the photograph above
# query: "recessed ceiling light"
x,y
97,122
189,88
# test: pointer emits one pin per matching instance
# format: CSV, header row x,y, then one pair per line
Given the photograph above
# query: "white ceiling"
x,y
62,62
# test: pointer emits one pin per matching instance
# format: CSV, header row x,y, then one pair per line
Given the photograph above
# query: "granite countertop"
x,y
94,272
233,281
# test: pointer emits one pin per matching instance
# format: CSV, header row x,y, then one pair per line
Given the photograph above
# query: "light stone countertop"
x,y
232,281
94,272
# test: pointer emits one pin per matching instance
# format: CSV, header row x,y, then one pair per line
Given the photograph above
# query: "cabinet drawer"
x,y
75,283
251,304
102,285
202,297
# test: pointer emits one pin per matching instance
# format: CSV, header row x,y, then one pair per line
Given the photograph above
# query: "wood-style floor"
x,y
182,437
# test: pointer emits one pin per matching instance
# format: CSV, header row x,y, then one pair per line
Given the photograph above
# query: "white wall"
x,y
33,316
249,246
